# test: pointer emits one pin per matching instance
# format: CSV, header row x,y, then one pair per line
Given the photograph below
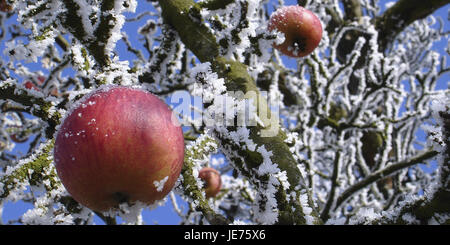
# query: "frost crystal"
x,y
160,184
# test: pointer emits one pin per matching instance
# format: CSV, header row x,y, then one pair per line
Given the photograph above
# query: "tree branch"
x,y
302,2
382,173
400,15
96,46
201,148
334,184
31,171
215,4
353,10
62,42
184,16
37,106
434,204
107,219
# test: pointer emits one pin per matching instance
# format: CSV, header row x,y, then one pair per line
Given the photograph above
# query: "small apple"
x,y
301,28
40,82
212,180
119,145
30,85
41,79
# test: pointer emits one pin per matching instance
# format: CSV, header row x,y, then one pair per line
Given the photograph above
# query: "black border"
x,y
172,234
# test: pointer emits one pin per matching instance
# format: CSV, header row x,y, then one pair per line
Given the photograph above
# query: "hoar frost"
x,y
160,184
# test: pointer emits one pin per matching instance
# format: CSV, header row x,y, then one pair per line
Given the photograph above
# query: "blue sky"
x,y
165,214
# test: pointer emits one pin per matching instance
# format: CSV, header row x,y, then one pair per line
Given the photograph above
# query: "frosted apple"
x,y
212,180
30,85
38,85
301,28
119,145
40,79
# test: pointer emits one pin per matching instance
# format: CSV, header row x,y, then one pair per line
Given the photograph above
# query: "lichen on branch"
x,y
31,171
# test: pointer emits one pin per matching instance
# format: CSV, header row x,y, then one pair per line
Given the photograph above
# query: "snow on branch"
x,y
191,183
44,108
402,14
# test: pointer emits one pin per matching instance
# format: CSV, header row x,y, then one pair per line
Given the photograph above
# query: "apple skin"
x,y
114,145
40,82
301,28
212,180
30,85
41,79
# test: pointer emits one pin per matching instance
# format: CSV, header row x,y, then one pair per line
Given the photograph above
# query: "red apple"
x,y
119,145
30,85
41,79
301,28
212,180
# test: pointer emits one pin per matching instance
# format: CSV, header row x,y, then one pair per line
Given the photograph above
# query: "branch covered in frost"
x,y
353,10
197,150
382,173
184,16
36,105
97,29
400,15
52,204
28,171
433,207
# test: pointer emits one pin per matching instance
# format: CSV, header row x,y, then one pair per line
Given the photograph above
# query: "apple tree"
x,y
355,132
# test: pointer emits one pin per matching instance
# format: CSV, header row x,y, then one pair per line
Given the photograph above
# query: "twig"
x,y
380,174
